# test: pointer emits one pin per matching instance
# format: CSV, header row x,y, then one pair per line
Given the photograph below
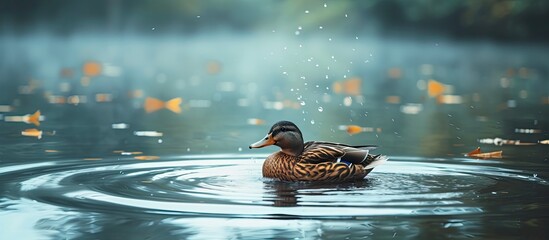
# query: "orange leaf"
x,y
476,151
478,154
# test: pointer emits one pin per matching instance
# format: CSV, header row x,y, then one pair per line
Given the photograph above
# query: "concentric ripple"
x,y
232,186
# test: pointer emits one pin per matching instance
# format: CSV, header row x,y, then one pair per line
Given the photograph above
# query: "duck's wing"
x,y
317,152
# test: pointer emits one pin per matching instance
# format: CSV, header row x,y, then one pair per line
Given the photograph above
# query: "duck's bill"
x,y
266,141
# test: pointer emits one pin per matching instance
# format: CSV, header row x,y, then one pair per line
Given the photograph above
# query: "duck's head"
x,y
284,134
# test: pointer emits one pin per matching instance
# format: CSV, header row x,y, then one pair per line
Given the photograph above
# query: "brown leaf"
x,y
478,154
476,151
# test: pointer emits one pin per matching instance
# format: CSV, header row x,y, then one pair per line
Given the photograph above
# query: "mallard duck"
x,y
314,161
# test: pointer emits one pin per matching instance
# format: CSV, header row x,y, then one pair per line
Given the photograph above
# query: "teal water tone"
x,y
112,159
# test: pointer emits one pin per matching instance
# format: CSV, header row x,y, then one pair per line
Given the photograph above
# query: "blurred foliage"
x,y
495,19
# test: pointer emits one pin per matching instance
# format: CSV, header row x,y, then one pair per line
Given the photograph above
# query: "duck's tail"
x,y
375,160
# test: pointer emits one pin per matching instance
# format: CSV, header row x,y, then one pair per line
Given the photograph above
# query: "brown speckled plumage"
x,y
314,161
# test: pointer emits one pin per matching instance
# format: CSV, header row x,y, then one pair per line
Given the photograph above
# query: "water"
x,y
192,175
225,196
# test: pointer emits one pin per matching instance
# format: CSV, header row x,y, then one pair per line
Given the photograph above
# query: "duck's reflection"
x,y
288,194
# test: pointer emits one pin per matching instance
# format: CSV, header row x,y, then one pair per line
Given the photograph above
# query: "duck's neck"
x,y
295,149
293,152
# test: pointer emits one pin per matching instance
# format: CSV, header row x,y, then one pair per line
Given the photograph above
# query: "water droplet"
x,y
297,33
159,140
320,109
345,15
153,29
312,121
347,101
240,149
356,38
198,16
325,5
320,27
306,11
188,149
302,103
299,28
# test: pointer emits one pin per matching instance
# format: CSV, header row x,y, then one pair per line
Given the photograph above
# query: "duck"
x,y
314,161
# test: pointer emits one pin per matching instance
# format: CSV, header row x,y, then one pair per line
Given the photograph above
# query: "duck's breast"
x,y
279,165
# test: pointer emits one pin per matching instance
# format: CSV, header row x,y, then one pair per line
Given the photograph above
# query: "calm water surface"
x,y
224,196
86,180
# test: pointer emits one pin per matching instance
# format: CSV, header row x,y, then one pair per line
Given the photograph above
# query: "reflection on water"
x,y
200,196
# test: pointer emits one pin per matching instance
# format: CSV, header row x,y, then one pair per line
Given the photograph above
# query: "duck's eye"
x,y
266,138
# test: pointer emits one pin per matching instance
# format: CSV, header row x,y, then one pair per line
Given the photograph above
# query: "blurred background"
x,y
164,78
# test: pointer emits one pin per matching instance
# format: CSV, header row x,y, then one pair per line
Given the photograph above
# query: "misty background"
x,y
232,61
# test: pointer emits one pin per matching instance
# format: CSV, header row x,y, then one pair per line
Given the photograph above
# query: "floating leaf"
x,y
147,157
478,154
91,69
476,151
352,86
354,129
435,88
153,105
33,132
